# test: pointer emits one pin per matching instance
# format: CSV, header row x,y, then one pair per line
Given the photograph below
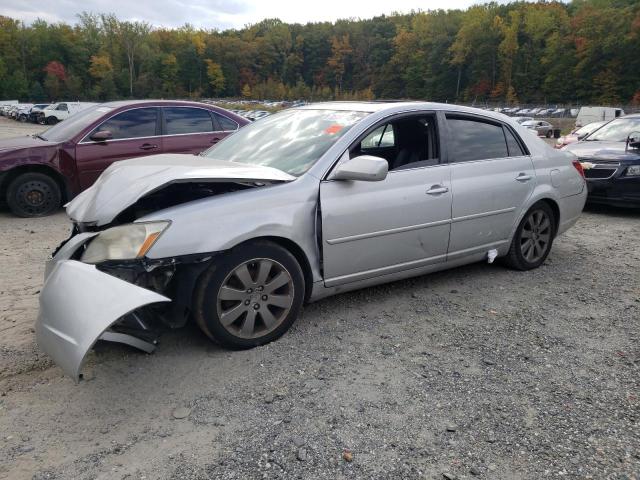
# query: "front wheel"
x,y
549,132
33,194
533,239
250,296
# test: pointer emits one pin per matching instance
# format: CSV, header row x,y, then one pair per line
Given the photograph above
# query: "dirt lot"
x,y
478,372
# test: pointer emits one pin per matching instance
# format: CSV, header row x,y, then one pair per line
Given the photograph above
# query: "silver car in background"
x,y
306,203
542,128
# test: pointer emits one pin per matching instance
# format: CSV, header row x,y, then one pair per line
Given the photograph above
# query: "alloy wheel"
x,y
255,298
536,236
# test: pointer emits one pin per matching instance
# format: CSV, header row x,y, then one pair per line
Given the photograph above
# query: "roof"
x,y
127,103
400,106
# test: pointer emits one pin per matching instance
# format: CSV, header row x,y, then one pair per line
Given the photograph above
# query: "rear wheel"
x,y
51,120
33,195
549,132
533,239
251,296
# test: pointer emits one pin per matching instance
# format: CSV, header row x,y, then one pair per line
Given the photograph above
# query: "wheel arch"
x,y
10,175
556,212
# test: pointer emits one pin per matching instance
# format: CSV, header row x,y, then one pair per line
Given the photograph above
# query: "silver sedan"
x,y
544,129
303,204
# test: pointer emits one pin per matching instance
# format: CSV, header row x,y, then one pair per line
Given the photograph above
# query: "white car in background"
x,y
61,111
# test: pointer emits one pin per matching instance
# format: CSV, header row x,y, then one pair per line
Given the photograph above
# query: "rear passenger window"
x,y
475,140
515,150
181,120
225,123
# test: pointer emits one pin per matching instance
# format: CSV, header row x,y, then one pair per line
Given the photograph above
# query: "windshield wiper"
x,y
38,136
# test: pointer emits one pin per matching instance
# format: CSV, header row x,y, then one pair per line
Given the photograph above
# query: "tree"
x,y
215,75
340,51
131,36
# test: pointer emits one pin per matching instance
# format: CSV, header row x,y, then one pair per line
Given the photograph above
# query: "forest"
x,y
547,52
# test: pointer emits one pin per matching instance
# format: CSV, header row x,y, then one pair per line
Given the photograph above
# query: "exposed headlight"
x,y
632,171
125,242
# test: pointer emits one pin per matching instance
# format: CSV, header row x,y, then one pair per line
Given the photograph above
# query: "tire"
x,y
523,253
22,118
51,120
549,132
33,195
256,310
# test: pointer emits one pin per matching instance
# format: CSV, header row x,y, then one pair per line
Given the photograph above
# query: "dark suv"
x,y
39,172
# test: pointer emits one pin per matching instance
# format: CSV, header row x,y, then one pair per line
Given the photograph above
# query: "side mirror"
x,y
101,136
366,168
633,140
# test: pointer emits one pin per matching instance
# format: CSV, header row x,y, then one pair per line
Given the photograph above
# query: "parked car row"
x,y
536,112
44,113
252,115
39,172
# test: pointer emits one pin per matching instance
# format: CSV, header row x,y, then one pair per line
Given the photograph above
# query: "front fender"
x,y
217,224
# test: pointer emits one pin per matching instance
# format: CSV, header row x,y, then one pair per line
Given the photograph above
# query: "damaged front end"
x,y
100,283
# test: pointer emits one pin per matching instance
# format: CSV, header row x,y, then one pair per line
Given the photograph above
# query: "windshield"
x,y
73,125
590,127
291,141
616,131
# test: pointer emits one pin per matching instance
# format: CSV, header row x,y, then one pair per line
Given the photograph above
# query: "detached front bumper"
x,y
78,304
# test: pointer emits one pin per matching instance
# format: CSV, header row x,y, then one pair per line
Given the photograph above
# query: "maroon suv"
x,y
39,172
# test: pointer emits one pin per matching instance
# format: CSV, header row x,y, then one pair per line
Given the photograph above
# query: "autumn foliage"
x,y
581,51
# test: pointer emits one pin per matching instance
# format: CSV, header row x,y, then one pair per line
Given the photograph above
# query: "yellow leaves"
x,y
215,75
100,66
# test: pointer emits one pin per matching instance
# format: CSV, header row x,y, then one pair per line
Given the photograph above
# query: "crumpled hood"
x,y
614,151
125,182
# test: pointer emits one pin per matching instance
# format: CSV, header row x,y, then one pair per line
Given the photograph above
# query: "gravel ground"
x,y
478,372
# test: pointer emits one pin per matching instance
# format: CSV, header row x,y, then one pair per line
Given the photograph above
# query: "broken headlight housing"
x,y
124,242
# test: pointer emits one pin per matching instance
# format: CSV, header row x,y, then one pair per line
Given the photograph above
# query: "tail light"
x,y
578,167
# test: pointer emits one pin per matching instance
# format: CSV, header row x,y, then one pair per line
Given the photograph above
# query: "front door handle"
x,y
437,190
148,146
523,177
215,140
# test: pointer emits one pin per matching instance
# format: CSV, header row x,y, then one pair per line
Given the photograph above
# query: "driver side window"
x,y
405,142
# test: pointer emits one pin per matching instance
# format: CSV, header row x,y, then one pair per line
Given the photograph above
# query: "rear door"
x,y
135,133
492,177
189,129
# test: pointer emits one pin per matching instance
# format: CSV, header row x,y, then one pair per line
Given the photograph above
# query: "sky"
x,y
219,14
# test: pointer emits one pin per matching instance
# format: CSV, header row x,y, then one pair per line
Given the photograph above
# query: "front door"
x,y
492,176
371,229
135,133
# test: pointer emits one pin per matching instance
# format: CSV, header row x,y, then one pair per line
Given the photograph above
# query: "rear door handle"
x,y
148,146
215,140
437,190
523,177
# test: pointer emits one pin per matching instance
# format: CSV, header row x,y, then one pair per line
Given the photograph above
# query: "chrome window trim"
x,y
84,140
